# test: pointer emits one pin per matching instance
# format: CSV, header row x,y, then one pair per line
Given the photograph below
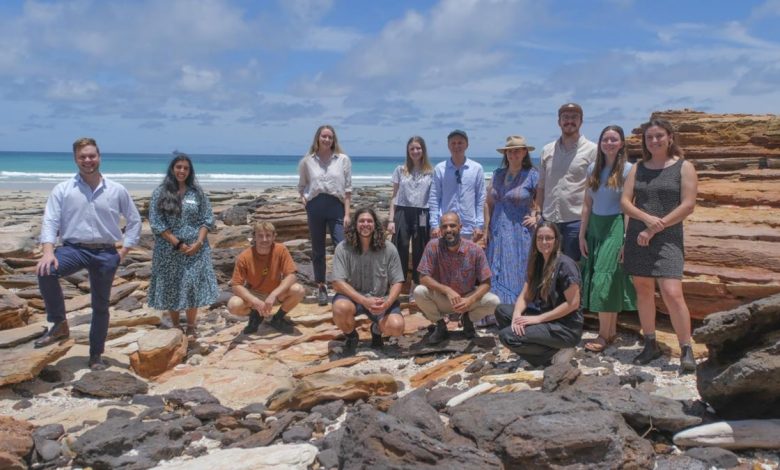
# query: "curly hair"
x,y
352,237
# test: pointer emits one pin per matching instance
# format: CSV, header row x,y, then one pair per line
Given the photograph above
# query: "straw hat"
x,y
515,142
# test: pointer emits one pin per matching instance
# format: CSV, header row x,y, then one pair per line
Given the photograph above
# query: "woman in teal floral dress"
x,y
180,216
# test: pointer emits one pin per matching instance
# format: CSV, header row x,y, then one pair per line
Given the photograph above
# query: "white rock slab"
x,y
277,457
472,392
745,434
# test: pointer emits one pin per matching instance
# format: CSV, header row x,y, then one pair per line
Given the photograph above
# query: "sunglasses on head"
x,y
457,177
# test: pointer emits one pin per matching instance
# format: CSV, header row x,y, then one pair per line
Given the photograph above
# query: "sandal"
x,y
599,344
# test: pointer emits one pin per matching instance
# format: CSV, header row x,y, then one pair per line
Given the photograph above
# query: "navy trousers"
x,y
570,241
101,264
324,212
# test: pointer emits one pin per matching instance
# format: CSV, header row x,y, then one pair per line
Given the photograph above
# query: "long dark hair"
x,y
353,238
615,179
170,201
540,274
527,164
673,150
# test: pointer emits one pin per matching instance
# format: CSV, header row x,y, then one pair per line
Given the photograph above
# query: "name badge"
x,y
422,221
190,201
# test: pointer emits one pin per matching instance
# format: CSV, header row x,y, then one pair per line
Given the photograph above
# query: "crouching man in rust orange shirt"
x,y
264,275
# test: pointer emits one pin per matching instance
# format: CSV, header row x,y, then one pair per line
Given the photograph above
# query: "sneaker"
x,y
468,326
687,361
96,362
350,345
440,333
282,324
563,356
650,352
376,337
254,322
322,296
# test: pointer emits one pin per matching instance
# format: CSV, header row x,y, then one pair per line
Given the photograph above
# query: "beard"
x,y
451,240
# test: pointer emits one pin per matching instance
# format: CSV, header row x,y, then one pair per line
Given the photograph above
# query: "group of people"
x,y
529,250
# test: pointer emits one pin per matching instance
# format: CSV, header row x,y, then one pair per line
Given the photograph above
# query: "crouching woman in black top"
x,y
545,324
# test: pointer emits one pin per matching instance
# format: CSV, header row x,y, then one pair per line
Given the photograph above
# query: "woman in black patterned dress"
x,y
659,193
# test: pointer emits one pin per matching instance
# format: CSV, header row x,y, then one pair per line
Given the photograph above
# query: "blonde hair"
x,y
315,144
263,227
425,164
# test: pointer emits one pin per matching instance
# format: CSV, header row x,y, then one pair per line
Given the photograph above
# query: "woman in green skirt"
x,y
606,288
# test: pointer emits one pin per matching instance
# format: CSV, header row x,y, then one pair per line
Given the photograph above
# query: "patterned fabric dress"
x,y
656,192
179,281
510,242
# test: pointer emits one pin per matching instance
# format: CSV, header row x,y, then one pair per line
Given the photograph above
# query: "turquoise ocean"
x,y
42,170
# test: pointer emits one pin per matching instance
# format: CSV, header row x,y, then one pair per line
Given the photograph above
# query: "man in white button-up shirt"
x,y
84,211
562,178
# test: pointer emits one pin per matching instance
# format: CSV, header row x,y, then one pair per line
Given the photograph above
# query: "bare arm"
x,y
688,189
587,205
391,216
347,204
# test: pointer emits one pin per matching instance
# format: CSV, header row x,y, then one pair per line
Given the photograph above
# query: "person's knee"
x,y
296,293
237,306
393,325
343,311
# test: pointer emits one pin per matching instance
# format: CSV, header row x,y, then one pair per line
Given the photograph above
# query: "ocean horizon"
x,y
141,171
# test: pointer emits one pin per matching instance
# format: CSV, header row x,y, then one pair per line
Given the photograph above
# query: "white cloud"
x,y
198,80
72,90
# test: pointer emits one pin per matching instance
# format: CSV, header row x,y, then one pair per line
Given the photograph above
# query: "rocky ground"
x,y
224,400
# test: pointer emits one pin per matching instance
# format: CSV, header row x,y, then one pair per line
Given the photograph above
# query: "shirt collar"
x,y
79,180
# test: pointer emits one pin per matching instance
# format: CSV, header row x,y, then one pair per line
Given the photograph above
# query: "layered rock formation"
x,y
741,377
732,240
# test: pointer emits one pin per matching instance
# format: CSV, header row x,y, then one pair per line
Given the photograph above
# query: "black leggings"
x,y
409,230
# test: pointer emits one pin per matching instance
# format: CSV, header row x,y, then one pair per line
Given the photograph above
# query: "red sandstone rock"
x,y
158,351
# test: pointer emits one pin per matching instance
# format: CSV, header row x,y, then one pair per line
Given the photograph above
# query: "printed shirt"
x,y
82,215
606,201
466,199
460,270
250,266
413,189
370,273
334,178
562,177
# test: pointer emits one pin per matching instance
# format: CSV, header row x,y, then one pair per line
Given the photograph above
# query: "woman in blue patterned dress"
x,y
511,218
180,216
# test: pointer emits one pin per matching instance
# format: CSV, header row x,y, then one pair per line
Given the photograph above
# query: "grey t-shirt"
x,y
371,273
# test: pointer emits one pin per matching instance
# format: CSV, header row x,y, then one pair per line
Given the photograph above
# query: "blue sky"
x,y
241,76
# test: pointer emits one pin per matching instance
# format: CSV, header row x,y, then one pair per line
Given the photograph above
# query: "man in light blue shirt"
x,y
459,187
84,211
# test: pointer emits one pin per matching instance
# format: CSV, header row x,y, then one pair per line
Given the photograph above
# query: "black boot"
x,y
254,322
651,351
468,326
350,345
440,333
376,337
687,361
282,324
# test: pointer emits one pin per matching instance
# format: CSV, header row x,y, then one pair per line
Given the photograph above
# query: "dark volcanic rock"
x,y
388,443
189,396
536,430
414,410
330,410
49,431
328,459
275,429
439,396
298,433
639,409
109,383
559,376
47,450
108,445
714,456
210,411
741,377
